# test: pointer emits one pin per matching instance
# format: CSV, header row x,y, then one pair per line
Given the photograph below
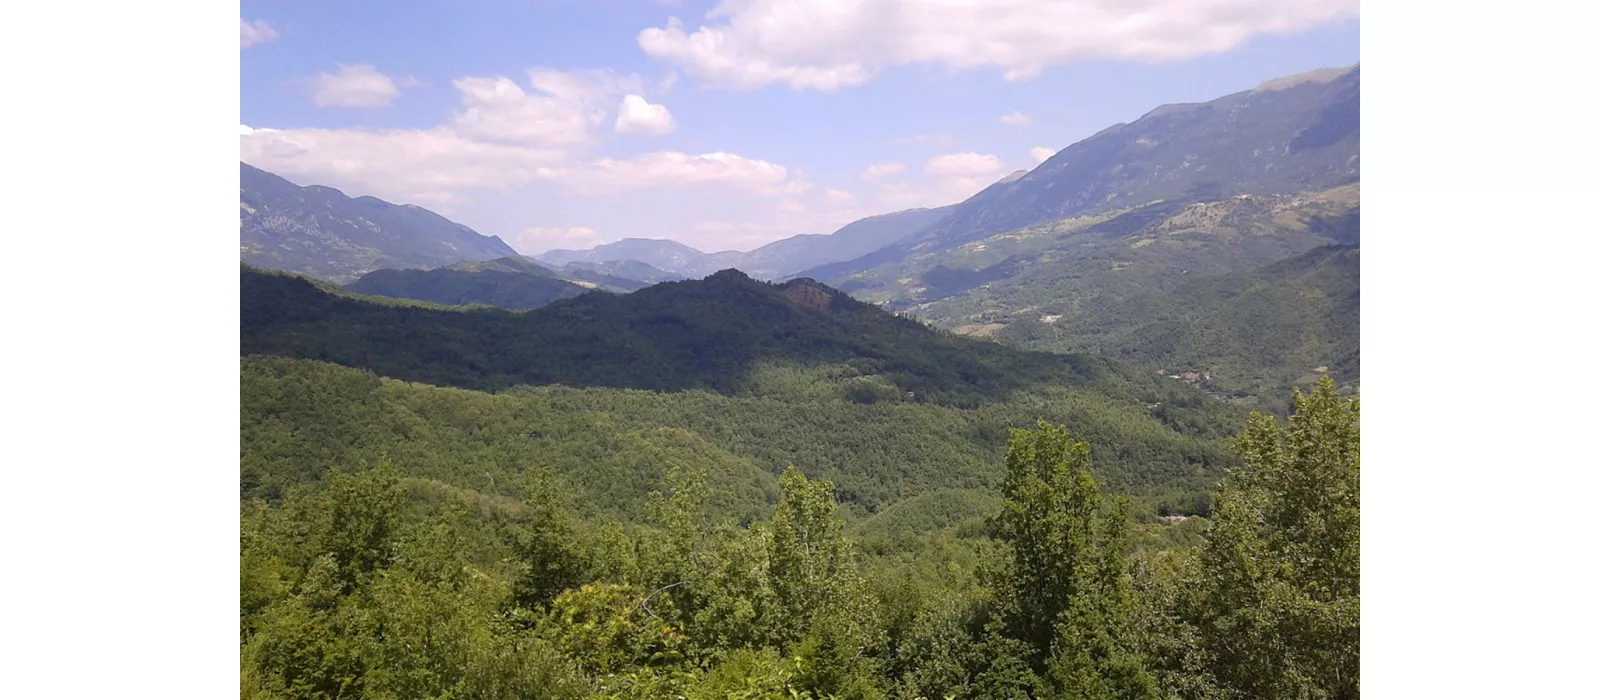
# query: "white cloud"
x,y
562,110
963,164
353,86
1041,154
665,85
538,239
1016,119
637,116
398,164
515,148
829,45
840,196
257,32
673,169
880,170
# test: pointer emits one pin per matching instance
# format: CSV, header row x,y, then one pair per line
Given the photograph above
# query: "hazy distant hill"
x,y
629,272
778,260
788,257
671,256
319,231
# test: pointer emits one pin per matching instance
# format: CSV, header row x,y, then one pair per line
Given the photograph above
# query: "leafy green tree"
x,y
821,604
812,563
1068,588
544,542
1279,607
362,511
608,628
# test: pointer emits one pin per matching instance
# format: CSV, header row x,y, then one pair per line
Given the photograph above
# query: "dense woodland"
x,y
379,578
824,501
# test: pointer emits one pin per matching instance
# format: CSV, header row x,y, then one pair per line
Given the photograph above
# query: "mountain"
x,y
1288,135
631,272
1061,258
1071,285
778,260
320,232
509,283
671,256
788,257
791,373
714,334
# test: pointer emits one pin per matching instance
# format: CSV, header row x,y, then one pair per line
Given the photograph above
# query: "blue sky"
x,y
741,122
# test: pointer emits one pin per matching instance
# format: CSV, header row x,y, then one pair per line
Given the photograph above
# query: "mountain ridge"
x,y
318,230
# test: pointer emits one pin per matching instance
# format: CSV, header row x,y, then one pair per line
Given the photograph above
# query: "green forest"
x,y
726,488
434,565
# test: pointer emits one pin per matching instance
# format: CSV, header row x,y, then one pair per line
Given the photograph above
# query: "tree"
x,y
811,562
544,543
1280,594
822,608
1067,588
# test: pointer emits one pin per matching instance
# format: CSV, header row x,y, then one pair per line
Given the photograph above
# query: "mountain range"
x,y
1078,254
778,260
319,231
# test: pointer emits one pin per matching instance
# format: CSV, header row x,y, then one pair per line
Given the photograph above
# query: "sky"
x,y
725,126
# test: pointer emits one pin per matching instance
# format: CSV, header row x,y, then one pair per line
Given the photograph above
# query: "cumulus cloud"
x,y
829,45
353,86
1041,154
561,110
963,164
511,144
398,164
673,169
538,239
253,33
637,116
840,196
1016,119
881,170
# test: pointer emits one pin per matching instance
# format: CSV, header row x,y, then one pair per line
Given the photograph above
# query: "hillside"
x,y
1256,333
302,419
509,283
724,334
1288,135
1066,285
319,231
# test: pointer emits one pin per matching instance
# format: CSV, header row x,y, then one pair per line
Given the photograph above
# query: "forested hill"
x,y
509,283
711,334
